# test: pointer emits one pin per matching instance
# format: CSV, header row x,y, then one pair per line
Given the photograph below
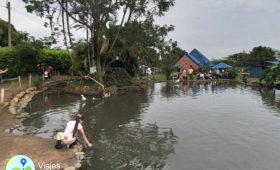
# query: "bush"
x,y
23,58
233,73
38,82
271,76
7,59
117,76
28,56
58,59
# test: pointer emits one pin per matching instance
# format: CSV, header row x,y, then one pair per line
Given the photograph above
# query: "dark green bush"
x,y
233,73
23,58
58,59
38,81
28,56
9,60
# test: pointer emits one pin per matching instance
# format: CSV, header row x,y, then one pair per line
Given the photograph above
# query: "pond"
x,y
213,126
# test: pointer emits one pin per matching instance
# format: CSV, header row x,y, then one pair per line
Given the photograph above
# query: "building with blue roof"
x,y
195,59
200,58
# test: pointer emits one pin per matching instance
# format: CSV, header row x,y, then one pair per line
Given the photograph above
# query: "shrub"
x,y
23,58
28,56
38,82
58,59
233,73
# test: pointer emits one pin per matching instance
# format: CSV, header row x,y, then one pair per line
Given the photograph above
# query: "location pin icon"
x,y
23,161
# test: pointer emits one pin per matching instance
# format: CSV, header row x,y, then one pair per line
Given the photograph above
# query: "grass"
x,y
254,80
157,77
160,77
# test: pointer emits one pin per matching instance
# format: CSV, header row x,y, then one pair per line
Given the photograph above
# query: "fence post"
x,y
19,81
2,96
30,80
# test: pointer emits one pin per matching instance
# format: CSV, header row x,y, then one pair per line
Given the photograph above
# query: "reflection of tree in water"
x,y
116,110
269,98
51,109
50,99
134,147
169,90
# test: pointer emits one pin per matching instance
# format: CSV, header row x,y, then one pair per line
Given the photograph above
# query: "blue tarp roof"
x,y
273,62
199,58
222,66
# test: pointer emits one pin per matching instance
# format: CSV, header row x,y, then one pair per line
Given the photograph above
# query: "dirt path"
x,y
38,149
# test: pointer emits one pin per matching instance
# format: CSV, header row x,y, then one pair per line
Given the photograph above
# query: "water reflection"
x,y
133,146
171,90
115,111
220,125
270,98
50,110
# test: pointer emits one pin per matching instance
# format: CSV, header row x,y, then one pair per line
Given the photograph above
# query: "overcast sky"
x,y
215,27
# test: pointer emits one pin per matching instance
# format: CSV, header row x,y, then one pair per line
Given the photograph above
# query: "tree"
x,y
261,54
256,57
17,37
271,76
170,55
97,16
238,59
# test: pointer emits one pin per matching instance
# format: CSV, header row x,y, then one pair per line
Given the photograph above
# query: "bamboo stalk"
x,y
19,81
2,96
30,80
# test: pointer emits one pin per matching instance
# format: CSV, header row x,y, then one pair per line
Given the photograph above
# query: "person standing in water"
x,y
72,128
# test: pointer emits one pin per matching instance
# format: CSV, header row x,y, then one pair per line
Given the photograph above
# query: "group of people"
x,y
184,74
191,73
44,71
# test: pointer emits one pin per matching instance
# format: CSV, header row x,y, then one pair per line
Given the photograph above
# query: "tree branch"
x,y
69,14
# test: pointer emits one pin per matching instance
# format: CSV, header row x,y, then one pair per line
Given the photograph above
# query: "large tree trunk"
x,y
68,26
97,56
63,28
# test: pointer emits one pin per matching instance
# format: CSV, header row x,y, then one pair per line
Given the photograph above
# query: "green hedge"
x,y
23,58
58,59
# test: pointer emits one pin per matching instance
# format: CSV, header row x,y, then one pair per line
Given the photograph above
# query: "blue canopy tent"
x,y
222,66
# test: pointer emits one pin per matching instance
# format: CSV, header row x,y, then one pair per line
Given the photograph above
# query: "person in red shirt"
x,y
50,71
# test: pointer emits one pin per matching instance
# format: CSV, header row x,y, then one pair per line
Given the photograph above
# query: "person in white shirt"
x,y
149,73
190,72
72,128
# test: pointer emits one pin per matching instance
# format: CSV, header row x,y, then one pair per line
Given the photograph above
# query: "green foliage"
x,y
261,54
170,55
58,59
17,37
23,58
135,36
160,77
271,76
9,60
28,56
234,72
38,82
256,57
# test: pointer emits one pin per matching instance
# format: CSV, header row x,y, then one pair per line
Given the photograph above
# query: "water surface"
x,y
213,126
